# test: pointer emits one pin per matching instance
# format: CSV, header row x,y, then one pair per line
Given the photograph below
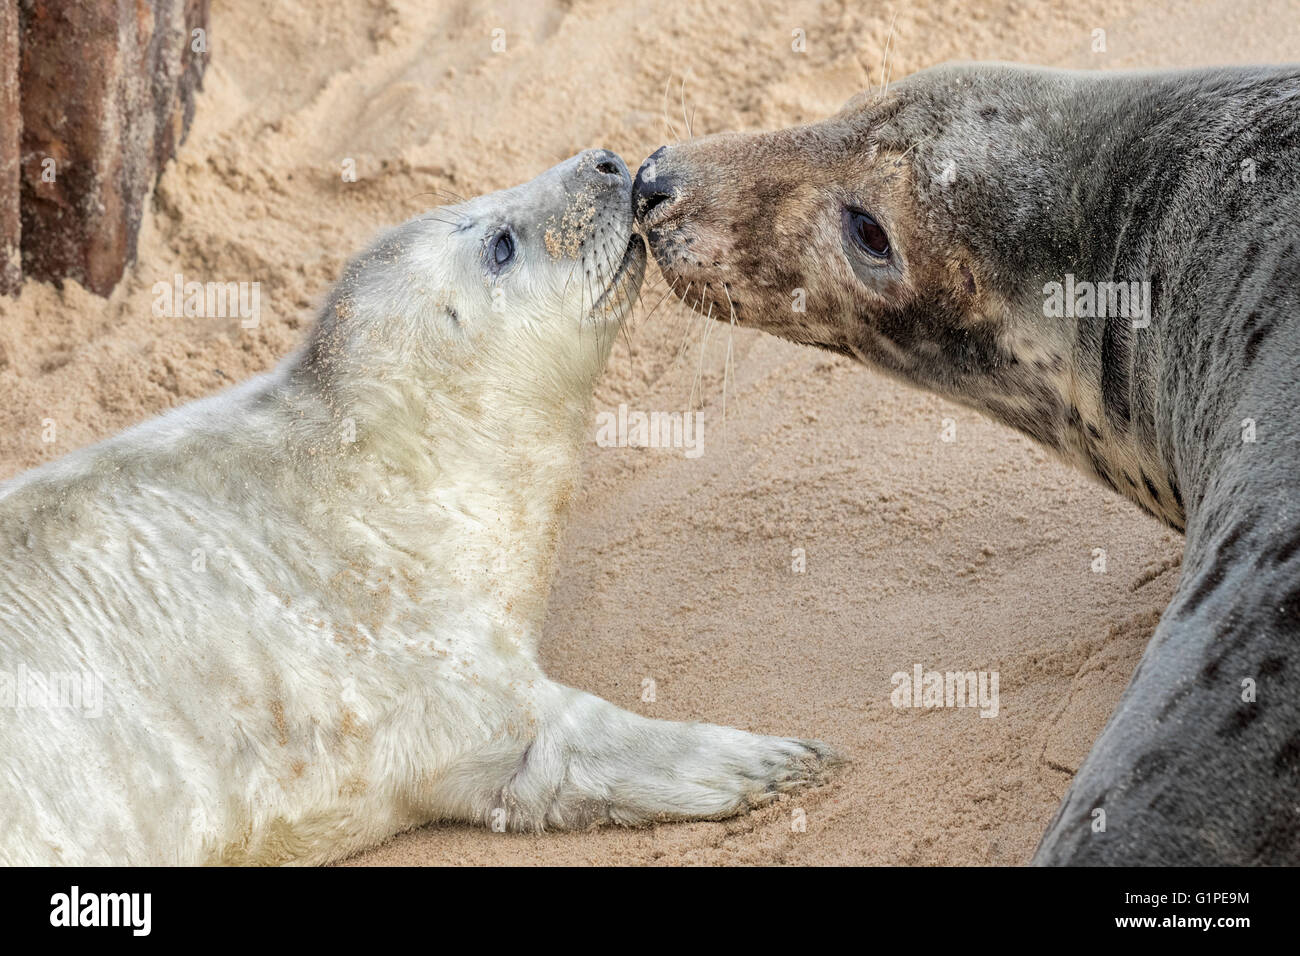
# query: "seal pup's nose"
x,y
653,185
610,164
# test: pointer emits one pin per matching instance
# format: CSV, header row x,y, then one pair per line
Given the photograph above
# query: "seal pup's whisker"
x,y
568,280
615,279
453,223
604,286
438,192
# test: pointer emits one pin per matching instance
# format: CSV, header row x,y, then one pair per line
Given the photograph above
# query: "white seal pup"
x,y
284,623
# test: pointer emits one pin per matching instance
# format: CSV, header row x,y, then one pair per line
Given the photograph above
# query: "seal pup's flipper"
x,y
590,762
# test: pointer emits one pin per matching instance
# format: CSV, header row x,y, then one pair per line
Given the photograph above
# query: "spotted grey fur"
x,y
994,181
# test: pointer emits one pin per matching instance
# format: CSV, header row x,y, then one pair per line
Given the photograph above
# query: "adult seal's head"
x,y
971,230
1107,262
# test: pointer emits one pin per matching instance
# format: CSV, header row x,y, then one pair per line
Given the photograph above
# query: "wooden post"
x,y
107,90
11,125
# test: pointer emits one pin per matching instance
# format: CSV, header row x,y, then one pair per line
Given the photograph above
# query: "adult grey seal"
x,y
1110,263
285,622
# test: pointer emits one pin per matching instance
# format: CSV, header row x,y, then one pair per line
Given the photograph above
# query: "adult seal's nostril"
x,y
654,185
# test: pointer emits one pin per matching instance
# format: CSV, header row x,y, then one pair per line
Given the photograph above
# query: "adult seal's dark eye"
x,y
503,250
867,234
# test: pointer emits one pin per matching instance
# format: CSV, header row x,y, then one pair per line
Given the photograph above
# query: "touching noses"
x,y
654,186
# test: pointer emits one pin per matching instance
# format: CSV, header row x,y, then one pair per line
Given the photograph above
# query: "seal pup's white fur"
x,y
314,601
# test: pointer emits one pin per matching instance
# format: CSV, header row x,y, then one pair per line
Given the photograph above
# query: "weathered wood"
x,y
107,95
11,125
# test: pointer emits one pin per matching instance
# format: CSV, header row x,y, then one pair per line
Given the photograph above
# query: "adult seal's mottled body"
x,y
300,616
932,230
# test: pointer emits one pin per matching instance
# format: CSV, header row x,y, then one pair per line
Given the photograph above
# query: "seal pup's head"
x,y
480,318
440,405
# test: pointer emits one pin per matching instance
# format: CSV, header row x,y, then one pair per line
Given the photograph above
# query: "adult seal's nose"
x,y
653,185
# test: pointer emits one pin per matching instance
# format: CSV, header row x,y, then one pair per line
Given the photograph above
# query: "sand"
x,y
975,554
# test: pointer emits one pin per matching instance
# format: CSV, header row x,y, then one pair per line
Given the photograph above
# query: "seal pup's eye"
x,y
501,251
866,233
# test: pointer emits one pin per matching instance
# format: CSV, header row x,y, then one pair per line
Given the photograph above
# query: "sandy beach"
x,y
678,577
